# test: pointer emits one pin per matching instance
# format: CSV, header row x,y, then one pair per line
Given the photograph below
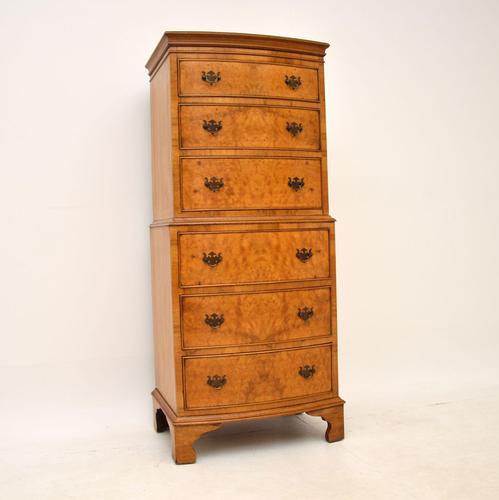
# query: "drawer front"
x,y
253,256
249,127
247,79
257,378
251,184
253,318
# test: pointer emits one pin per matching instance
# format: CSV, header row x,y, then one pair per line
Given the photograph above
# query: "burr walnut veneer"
x,y
243,262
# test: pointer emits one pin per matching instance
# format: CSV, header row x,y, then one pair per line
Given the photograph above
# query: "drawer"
x,y
207,126
253,256
257,378
247,79
239,319
251,183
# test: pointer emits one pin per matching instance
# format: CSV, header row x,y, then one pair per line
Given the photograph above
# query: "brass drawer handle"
x,y
217,381
294,128
306,313
211,77
212,126
307,371
292,81
295,183
212,259
304,254
214,183
214,320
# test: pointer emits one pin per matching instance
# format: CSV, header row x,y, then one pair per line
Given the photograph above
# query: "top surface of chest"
x,y
200,40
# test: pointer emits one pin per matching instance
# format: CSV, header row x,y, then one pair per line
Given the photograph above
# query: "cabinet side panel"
x,y
325,188
164,359
334,322
161,143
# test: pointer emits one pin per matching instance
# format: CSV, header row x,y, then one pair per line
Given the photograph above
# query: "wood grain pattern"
x,y
196,41
179,230
253,318
161,134
257,223
167,188
261,411
333,416
255,378
162,301
251,184
249,127
183,438
253,256
201,222
247,78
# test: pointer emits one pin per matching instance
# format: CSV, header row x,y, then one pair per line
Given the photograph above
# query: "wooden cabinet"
x,y
243,260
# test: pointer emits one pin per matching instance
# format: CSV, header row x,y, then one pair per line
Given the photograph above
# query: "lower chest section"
x,y
253,314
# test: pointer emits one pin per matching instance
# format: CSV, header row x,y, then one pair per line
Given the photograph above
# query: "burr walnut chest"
x,y
243,259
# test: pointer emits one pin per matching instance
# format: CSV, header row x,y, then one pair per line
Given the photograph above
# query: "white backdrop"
x,y
413,122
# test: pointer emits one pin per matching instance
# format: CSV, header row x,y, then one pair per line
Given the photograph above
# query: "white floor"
x,y
427,450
